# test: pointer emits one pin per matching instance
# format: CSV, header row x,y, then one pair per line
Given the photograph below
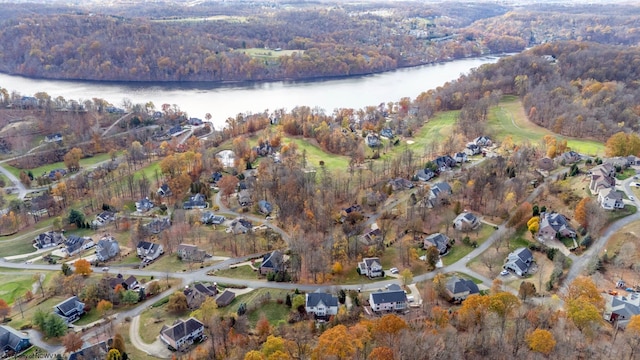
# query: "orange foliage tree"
x,y
83,267
541,341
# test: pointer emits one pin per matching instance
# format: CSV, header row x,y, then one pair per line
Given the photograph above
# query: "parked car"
x,y
504,273
394,270
105,269
631,198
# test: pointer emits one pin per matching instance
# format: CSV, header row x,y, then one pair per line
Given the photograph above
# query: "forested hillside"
x,y
578,89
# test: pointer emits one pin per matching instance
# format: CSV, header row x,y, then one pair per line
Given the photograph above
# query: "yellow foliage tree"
x,y
335,342
82,267
541,341
336,268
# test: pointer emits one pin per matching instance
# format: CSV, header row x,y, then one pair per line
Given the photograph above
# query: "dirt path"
x,y
157,348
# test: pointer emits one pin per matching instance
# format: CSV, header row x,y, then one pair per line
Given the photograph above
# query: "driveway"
x,y
157,348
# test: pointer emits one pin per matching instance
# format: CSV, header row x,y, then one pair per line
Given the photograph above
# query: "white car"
x,y
504,273
394,270
632,198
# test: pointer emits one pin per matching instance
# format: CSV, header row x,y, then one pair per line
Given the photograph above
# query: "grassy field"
x,y
45,169
315,154
148,171
460,250
132,351
152,320
240,272
18,286
509,118
267,54
271,309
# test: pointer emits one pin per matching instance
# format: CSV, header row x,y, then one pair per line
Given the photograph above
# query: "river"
x,y
224,101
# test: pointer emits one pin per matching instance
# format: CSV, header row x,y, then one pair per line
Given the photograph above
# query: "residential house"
x,y
439,194
570,157
158,225
459,289
104,218
265,207
519,261
272,262
619,309
370,267
394,300
460,157
633,160
240,226
194,297
372,140
215,177
546,164
209,218
440,241
244,197
12,341
321,305
164,190
611,199
130,283
602,178
353,209
92,352
264,149
554,225
53,138
56,173
75,244
182,333
225,298
69,310
372,236
400,184
206,290
175,130
49,239
196,201
618,161
188,252
195,121
466,221
107,248
144,205
444,163
148,251
425,174
387,133
472,149
483,141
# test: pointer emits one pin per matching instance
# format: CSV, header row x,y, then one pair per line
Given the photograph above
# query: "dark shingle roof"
x,y
181,328
389,297
92,352
68,305
314,298
10,337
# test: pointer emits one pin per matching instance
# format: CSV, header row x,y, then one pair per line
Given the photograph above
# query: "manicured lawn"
x,y
89,317
460,250
519,240
254,300
152,320
15,286
509,118
30,309
267,54
148,171
315,155
627,173
132,351
241,272
273,311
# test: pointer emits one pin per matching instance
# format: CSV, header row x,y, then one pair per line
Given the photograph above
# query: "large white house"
x,y
370,267
395,300
321,304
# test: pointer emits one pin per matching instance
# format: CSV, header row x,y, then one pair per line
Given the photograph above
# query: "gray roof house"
x,y
69,310
440,241
225,298
49,239
321,305
619,309
554,225
439,192
196,201
459,289
370,267
189,252
395,300
570,157
75,244
265,207
104,218
144,205
92,352
602,178
148,251
157,225
611,199
209,218
12,341
272,262
164,190
425,174
107,248
182,333
466,221
372,140
519,261
244,197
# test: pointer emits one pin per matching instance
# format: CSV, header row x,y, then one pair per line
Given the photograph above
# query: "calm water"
x,y
224,101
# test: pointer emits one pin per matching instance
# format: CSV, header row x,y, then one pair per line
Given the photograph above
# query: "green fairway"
x,y
509,118
315,155
45,169
18,286
267,53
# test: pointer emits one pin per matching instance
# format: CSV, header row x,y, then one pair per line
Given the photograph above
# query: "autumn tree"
x,y
632,332
381,353
114,354
335,342
263,328
581,212
72,159
5,310
275,348
541,341
622,144
387,328
72,342
503,304
177,302
584,305
118,343
407,277
104,306
228,185
433,256
526,290
521,215
82,267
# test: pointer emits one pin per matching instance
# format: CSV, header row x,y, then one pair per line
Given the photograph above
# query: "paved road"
x,y
157,348
36,339
114,124
22,190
